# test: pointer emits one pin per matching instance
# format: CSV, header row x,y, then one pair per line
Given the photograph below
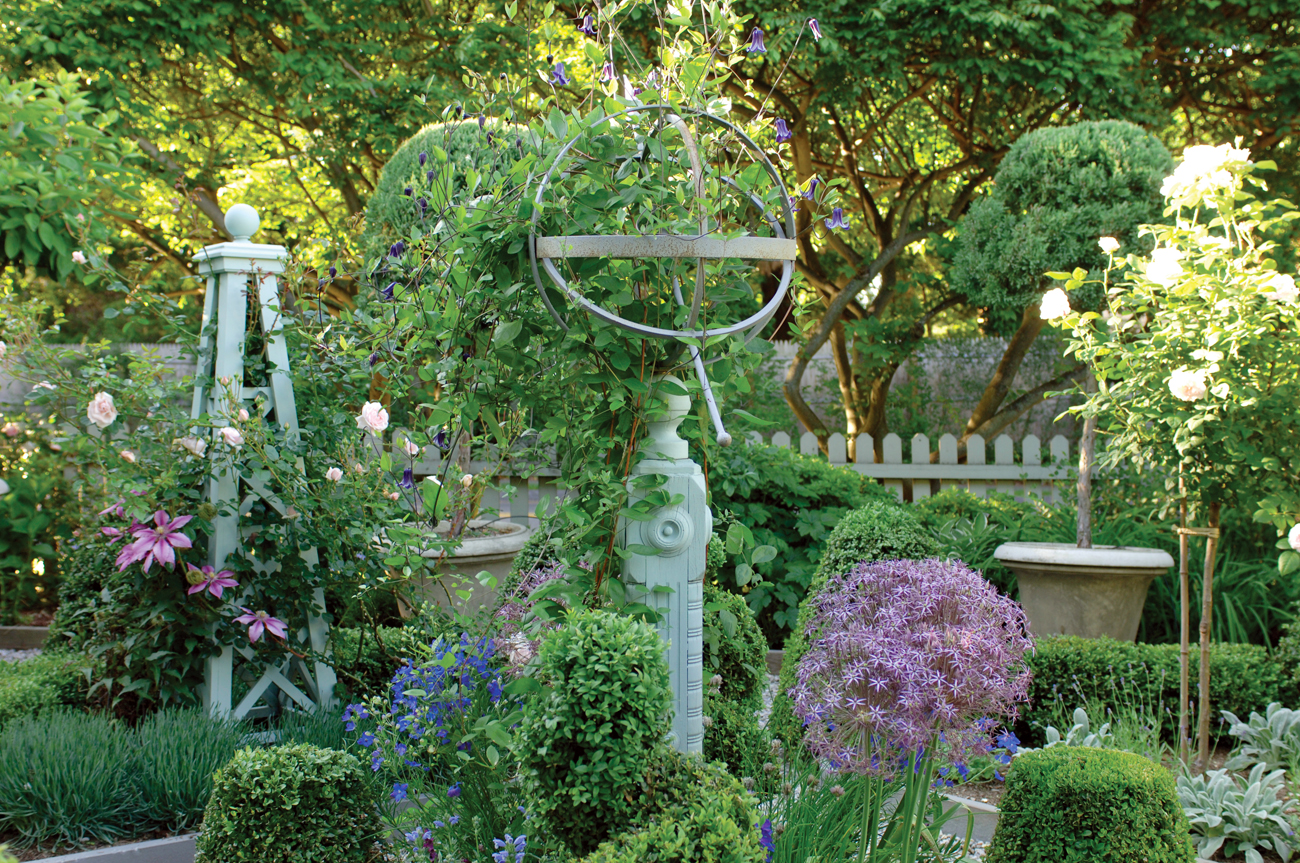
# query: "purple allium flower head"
x,y
408,479
811,192
837,219
756,45
424,157
586,25
815,28
334,272
783,132
902,651
558,77
607,71
407,191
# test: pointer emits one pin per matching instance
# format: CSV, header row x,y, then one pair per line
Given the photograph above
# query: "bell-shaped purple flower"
x,y
783,132
374,358
837,219
490,137
815,28
407,191
558,78
756,45
408,479
428,176
424,157
482,120
810,193
587,26
422,204
607,71
387,293
334,272
399,247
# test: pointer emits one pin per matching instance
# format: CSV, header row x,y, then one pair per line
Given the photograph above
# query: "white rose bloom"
x,y
44,385
334,475
1109,245
101,410
1202,170
1188,384
1165,268
1294,537
373,418
78,257
411,449
195,446
359,467
467,480
1284,288
128,455
243,415
232,436
4,349
1055,304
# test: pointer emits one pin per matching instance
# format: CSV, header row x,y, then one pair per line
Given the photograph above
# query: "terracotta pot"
x,y
491,554
1090,592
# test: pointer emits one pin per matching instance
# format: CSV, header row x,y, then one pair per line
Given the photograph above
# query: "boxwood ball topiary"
x,y
289,804
585,746
1076,804
879,530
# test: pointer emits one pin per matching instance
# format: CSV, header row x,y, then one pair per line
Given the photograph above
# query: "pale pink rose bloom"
x,y
101,410
44,385
195,446
1164,268
56,448
359,467
12,429
411,449
243,415
128,455
1294,537
373,418
81,217
1055,304
334,475
392,495
467,480
78,257
1284,288
1188,384
4,349
1109,245
232,436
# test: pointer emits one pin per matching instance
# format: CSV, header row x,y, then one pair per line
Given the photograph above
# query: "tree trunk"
x,y
848,387
1184,630
1087,444
1207,606
1031,324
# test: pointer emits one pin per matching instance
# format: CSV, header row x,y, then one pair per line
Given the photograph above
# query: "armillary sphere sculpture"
x,y
709,243
681,212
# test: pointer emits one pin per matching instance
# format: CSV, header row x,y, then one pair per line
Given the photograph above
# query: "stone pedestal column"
x,y
680,532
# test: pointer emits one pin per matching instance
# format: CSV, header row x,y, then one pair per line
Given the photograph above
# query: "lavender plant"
x,y
905,655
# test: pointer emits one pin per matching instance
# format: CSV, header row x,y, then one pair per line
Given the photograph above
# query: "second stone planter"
x,y
493,553
1089,592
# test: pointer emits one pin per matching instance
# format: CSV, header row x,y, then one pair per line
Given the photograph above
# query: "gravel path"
x,y
18,655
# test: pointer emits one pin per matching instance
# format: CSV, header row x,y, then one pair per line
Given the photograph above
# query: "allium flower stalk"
x,y
902,652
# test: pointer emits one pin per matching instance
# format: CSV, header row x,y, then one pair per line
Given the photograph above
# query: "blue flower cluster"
x,y
765,838
505,847
425,697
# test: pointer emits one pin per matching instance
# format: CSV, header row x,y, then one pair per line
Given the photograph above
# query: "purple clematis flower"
x,y
408,479
837,219
428,176
558,77
387,293
407,191
213,582
158,541
115,509
422,204
334,271
424,157
482,120
756,45
815,28
374,358
811,192
783,132
259,621
587,26
441,440
607,71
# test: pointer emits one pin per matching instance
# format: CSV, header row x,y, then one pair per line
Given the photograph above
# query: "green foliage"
x,y
365,659
1078,670
735,738
178,751
790,502
1056,192
693,813
68,777
734,647
881,530
1084,805
289,804
35,513
35,686
1272,739
585,745
1236,815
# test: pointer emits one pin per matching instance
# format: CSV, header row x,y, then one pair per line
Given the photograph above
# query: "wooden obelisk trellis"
x,y
235,271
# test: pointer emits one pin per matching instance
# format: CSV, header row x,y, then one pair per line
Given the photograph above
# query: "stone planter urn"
x,y
492,552
1090,592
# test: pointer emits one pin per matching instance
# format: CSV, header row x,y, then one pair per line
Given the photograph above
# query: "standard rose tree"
x,y
1198,366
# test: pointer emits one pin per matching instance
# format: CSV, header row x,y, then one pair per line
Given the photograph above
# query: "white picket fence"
x,y
919,477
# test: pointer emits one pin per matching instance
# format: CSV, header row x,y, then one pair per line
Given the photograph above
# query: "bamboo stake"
x,y
1184,632
1087,445
1207,599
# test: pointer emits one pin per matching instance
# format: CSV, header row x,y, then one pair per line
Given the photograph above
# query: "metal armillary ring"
x,y
702,247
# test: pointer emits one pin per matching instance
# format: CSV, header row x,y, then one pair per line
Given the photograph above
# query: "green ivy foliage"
x,y
1076,804
878,531
1056,192
586,745
290,804
791,502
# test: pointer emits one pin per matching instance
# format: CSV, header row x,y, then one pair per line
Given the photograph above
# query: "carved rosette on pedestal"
x,y
680,532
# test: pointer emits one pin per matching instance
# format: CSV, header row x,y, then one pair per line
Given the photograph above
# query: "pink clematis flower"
x,y
158,541
259,620
213,582
115,509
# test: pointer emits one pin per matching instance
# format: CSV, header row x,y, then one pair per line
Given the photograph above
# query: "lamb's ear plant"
x,y
1238,816
1272,739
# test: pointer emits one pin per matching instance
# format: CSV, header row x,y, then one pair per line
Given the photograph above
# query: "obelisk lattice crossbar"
x,y
680,532
235,272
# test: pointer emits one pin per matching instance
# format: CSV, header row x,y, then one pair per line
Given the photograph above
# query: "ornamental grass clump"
x,y
904,658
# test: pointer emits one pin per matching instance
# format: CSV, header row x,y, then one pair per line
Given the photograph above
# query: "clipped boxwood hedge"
x,y
1242,678
1077,804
